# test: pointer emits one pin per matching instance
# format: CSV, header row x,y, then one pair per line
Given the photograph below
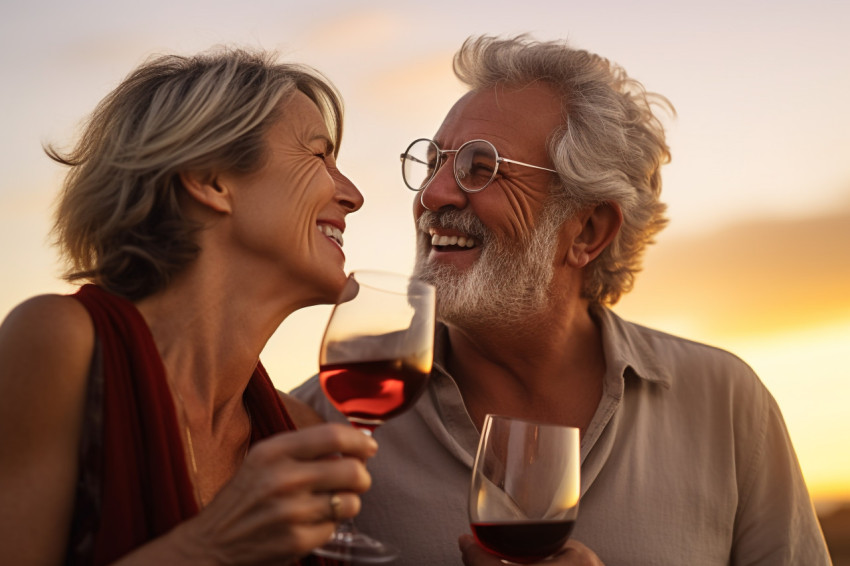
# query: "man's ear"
x,y
207,190
599,225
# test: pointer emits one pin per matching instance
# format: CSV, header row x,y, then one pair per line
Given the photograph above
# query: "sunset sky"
x,y
756,258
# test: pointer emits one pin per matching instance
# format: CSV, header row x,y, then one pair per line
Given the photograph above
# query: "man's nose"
x,y
443,190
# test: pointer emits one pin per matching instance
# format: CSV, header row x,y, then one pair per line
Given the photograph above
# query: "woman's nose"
x,y
347,194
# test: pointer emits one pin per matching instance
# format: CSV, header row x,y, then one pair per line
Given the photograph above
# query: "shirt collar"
x,y
628,348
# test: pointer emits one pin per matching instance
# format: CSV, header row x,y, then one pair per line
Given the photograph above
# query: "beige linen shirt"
x,y
687,461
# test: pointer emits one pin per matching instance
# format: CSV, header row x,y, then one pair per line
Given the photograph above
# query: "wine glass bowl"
x,y
374,363
377,351
525,489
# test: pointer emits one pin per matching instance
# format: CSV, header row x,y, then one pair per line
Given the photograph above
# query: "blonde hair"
x,y
609,149
118,221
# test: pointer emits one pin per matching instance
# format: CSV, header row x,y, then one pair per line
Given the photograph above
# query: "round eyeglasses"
x,y
476,163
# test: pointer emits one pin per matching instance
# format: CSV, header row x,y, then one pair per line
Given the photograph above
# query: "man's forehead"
x,y
528,112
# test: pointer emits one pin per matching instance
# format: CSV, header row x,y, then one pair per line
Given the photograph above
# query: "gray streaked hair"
x,y
610,148
118,221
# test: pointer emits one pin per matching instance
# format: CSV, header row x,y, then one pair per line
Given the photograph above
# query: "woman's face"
x,y
290,214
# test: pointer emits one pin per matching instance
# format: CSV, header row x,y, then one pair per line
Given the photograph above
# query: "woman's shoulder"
x,y
48,317
47,331
46,345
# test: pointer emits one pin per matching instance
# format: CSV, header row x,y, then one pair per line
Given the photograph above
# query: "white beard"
x,y
508,283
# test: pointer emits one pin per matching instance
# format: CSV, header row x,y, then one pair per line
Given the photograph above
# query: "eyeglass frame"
x,y
442,152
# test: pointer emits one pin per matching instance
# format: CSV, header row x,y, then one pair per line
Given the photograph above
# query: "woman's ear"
x,y
599,225
207,190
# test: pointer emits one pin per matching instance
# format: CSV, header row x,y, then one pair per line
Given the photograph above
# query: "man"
x,y
536,200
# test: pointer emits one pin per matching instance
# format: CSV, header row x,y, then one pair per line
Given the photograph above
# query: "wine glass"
x,y
525,488
374,363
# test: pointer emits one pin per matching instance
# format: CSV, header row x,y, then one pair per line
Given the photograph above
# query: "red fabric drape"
x,y
143,486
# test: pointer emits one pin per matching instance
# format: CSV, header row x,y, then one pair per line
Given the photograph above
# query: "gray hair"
x,y
610,148
118,221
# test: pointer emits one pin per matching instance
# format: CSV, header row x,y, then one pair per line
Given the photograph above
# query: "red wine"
x,y
524,542
368,393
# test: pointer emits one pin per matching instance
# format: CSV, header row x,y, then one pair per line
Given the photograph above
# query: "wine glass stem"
x,y
346,528
345,532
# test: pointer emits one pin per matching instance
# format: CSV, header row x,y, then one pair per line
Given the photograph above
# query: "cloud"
x,y
760,276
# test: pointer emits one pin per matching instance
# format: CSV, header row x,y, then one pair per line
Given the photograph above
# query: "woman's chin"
x,y
331,286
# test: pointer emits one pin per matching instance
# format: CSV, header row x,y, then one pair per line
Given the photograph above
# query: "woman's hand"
x,y
573,553
278,506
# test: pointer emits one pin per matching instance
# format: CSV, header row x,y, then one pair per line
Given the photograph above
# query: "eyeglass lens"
x,y
418,163
474,164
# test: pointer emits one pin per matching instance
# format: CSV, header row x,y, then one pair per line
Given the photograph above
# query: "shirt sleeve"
x,y
776,522
310,392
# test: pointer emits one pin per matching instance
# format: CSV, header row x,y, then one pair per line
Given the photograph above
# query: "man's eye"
x,y
320,155
482,166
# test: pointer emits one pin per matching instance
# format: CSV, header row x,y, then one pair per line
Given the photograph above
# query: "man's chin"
x,y
439,275
460,299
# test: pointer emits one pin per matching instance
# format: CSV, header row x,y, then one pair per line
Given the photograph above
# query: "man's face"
x,y
491,253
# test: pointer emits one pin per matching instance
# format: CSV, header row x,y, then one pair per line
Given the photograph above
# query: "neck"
x,y
209,338
552,370
210,327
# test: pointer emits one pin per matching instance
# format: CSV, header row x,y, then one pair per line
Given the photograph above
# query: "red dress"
x,y
133,483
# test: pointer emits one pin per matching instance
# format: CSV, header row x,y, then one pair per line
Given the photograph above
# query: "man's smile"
x,y
451,240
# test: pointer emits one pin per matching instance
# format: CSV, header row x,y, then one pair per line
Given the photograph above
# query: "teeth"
x,y
462,241
331,232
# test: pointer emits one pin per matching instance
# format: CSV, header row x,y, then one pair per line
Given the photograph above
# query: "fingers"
x,y
288,494
317,508
341,506
303,468
319,441
324,458
285,475
334,502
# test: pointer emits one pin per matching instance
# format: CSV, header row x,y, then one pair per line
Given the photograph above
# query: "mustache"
x,y
462,220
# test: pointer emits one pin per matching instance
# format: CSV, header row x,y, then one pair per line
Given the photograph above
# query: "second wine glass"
x,y
374,363
525,489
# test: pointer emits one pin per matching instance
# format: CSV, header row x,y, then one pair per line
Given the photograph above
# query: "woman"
x,y
137,426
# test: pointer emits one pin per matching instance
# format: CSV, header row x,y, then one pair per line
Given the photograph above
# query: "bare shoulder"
x,y
46,344
303,414
61,308
46,328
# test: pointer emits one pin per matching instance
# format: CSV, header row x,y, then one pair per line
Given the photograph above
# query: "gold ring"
x,y
336,503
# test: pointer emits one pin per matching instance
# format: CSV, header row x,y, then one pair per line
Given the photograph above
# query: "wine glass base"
x,y
357,548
